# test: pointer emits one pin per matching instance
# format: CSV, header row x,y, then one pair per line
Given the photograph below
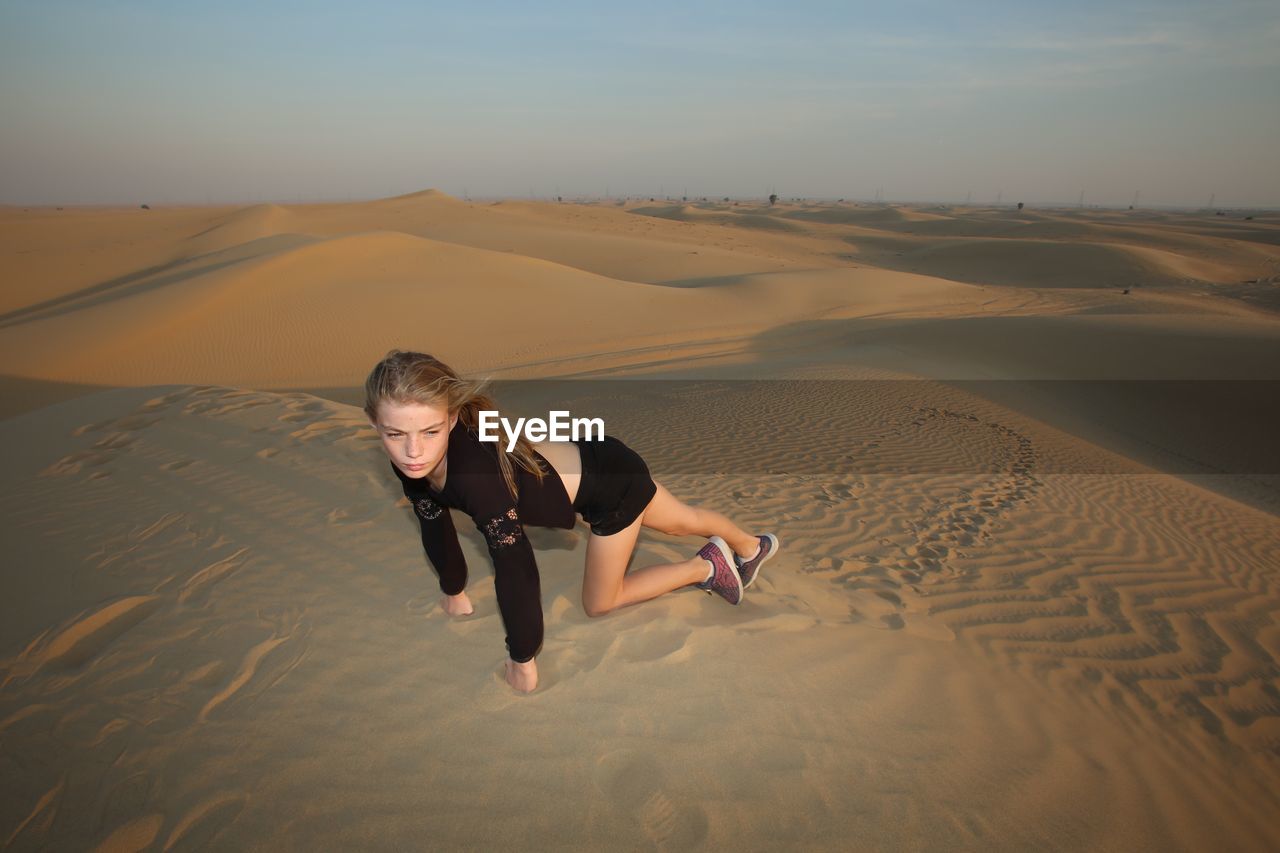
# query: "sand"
x,y
1027,595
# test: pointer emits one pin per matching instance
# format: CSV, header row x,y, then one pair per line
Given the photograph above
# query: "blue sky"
x,y
111,101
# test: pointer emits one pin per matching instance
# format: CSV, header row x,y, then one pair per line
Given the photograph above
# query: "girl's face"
x,y
415,435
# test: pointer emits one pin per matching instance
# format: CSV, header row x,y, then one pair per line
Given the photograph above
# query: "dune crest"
x,y
242,226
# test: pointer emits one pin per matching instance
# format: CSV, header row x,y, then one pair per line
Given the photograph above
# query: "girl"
x,y
427,418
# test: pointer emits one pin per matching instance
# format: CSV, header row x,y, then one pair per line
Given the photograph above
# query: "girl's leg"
x,y
606,584
667,514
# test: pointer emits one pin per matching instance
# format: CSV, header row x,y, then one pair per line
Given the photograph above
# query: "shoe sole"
x,y
726,553
773,540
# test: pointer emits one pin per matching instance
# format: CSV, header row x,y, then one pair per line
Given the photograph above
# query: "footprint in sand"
x,y
429,605
571,660
636,786
878,605
964,521
577,647
651,645
424,604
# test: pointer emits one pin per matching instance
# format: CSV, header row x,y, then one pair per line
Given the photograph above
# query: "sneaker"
x,y
748,569
724,580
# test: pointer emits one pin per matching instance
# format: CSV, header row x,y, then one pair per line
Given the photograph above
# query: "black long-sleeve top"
x,y
474,484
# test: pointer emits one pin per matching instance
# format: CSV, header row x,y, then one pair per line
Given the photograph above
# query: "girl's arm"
x,y
440,541
515,580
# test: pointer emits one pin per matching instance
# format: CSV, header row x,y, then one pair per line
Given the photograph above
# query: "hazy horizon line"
x,y
578,198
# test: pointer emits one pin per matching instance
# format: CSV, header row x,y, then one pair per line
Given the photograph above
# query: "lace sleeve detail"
x,y
427,509
503,530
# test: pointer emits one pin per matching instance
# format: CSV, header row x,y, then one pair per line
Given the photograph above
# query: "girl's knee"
x,y
595,609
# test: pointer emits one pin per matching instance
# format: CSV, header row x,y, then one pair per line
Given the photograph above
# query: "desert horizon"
x,y
1212,206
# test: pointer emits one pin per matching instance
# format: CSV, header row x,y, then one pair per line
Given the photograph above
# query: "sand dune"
x,y
1027,596
718,216
608,241
241,226
678,212
265,312
242,569
46,254
858,216
1025,263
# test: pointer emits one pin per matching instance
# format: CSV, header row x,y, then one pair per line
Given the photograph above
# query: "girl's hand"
x,y
457,605
523,676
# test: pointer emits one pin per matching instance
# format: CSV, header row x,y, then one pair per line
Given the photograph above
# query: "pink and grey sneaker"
x,y
748,569
724,580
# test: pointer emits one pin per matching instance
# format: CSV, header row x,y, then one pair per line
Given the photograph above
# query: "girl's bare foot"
x,y
457,605
522,676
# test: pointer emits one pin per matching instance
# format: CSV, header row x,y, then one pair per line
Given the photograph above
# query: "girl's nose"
x,y
414,448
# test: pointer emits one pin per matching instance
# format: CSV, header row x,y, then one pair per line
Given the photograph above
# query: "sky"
x,y
169,101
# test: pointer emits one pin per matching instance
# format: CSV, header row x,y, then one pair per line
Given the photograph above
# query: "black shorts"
x,y
615,486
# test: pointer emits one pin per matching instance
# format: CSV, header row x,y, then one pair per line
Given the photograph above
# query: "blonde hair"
x,y
415,377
